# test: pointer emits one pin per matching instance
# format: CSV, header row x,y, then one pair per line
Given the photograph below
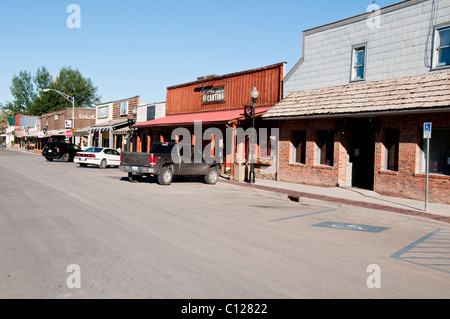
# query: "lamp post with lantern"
x,y
254,93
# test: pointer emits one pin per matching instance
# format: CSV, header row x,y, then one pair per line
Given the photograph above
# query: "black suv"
x,y
60,150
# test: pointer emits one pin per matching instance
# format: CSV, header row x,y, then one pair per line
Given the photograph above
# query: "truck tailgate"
x,y
135,159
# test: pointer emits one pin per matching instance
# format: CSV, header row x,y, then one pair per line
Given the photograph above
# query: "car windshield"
x,y
94,150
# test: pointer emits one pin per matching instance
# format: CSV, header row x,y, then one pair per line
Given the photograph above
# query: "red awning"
x,y
205,117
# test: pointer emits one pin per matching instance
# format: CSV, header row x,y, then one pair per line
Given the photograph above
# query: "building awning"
x,y
424,93
111,125
204,117
123,131
55,133
82,131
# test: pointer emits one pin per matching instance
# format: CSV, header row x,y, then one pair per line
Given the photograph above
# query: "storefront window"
x,y
439,152
392,145
325,145
299,142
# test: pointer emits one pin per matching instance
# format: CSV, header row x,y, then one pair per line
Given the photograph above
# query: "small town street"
x,y
193,240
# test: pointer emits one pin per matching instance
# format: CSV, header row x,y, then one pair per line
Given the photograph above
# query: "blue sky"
x,y
140,47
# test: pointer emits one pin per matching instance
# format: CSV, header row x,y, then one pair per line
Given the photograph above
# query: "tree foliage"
x,y
22,90
3,119
29,98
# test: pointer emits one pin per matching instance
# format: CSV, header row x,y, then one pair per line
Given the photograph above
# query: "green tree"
x,y
3,118
30,99
22,89
42,102
72,83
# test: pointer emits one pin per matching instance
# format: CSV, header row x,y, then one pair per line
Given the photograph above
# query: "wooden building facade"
x,y
217,102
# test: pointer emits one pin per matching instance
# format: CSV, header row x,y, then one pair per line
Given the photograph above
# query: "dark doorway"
x,y
361,152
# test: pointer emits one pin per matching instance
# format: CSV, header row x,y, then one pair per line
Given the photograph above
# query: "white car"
x,y
100,156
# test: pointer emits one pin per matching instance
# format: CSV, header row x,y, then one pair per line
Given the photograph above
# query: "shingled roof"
x,y
416,93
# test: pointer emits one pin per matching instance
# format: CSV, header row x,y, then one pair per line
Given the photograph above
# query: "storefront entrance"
x,y
361,152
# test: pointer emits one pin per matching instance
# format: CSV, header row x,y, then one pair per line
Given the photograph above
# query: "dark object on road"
x,y
60,151
165,161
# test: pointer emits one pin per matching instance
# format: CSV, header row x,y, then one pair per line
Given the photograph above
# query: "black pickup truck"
x,y
166,160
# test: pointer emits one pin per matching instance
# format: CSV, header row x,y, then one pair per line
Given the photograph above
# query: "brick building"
x,y
110,118
55,123
355,103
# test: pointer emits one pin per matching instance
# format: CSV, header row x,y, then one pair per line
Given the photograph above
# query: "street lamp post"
x,y
254,95
70,99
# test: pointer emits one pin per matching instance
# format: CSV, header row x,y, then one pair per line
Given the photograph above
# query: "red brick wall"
x,y
309,173
408,182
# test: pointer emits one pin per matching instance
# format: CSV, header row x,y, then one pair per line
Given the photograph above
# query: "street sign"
x,y
248,111
68,134
427,130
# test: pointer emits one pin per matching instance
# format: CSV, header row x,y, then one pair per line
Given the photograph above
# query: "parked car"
x,y
100,156
161,162
60,150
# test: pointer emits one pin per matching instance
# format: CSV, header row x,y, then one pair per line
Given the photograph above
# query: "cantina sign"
x,y
213,95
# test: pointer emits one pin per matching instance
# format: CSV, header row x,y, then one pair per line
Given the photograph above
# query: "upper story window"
x,y
441,47
103,112
124,108
358,71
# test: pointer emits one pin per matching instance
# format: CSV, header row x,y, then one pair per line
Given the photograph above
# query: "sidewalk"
x,y
352,197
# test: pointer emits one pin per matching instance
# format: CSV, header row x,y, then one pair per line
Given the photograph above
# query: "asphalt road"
x,y
191,240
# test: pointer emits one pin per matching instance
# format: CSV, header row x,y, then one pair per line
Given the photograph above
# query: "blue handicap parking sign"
x,y
427,130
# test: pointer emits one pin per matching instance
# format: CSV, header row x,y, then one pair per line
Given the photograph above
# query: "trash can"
x,y
239,171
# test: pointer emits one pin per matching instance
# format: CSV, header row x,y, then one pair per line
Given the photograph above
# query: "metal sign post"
x,y
427,136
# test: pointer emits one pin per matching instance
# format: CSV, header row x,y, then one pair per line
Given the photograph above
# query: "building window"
x,y
325,145
442,47
299,142
439,152
151,112
124,108
103,112
358,63
392,149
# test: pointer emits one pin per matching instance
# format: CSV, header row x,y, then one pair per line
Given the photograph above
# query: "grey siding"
x,y
401,47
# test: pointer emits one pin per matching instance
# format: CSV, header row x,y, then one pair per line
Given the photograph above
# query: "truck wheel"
x,y
165,177
134,178
212,176
103,164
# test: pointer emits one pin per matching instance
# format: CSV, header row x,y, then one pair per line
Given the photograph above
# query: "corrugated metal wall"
x,y
187,98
